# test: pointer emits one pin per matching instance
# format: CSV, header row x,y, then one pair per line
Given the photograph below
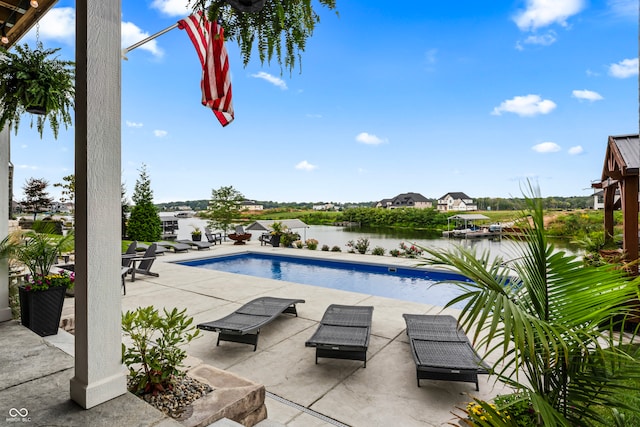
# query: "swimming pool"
x,y
404,283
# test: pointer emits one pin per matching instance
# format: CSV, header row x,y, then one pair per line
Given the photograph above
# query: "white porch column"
x,y
5,140
99,373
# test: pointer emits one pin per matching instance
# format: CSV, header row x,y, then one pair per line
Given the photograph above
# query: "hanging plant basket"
x,y
247,6
33,81
39,110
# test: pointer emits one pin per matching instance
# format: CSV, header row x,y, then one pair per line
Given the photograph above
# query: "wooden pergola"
x,y
621,172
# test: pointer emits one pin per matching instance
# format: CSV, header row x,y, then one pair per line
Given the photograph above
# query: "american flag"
x,y
208,39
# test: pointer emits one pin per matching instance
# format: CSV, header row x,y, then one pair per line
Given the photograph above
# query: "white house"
x,y
250,205
456,202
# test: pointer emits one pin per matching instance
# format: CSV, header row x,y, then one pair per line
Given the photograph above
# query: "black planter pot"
x,y
35,109
250,6
275,241
196,237
40,311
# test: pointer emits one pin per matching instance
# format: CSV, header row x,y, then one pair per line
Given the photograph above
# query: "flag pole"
x,y
148,39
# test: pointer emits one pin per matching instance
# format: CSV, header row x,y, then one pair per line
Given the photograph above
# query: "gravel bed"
x,y
174,401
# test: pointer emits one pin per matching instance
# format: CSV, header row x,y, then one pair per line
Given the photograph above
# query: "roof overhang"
x,y
469,217
17,17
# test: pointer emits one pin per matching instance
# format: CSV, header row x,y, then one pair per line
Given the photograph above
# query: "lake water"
x,y
388,238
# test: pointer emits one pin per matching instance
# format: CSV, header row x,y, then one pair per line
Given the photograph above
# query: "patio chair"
x,y
343,333
145,263
213,238
244,324
441,349
174,246
132,248
199,245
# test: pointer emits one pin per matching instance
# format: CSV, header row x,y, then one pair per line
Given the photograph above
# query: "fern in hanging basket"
x,y
280,28
33,81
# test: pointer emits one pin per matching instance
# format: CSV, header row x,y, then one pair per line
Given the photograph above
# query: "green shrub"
x,y
325,248
154,365
378,250
394,253
361,245
288,237
298,244
336,249
312,244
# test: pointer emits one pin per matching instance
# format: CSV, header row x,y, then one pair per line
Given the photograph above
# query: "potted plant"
x,y
41,301
42,295
196,234
277,229
35,82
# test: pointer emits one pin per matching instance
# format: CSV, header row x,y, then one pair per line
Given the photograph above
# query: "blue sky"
x,y
434,97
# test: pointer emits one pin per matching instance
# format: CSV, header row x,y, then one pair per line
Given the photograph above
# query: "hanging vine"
x,y
279,29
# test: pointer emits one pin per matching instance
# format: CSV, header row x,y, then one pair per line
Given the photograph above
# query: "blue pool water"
x,y
409,284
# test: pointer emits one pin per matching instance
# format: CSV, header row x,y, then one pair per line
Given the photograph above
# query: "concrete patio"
x,y
299,392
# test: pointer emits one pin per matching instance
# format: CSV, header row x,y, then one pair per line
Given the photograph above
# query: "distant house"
x,y
323,207
598,200
250,205
405,200
456,202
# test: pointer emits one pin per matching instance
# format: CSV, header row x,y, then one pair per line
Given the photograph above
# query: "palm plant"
x,y
553,324
38,252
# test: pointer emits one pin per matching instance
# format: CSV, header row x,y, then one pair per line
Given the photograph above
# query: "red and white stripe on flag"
x,y
208,39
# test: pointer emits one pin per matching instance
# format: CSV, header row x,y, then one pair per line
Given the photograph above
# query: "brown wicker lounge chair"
x,y
244,324
441,349
343,333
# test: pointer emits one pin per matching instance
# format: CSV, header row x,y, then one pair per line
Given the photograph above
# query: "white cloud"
x,y
304,165
625,68
529,105
543,40
58,24
576,150
546,147
30,167
133,124
276,81
160,133
588,95
542,13
132,34
369,139
172,7
624,8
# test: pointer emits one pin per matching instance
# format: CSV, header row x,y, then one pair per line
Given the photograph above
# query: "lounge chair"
x,y
146,261
244,324
160,250
343,333
442,350
199,245
175,246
